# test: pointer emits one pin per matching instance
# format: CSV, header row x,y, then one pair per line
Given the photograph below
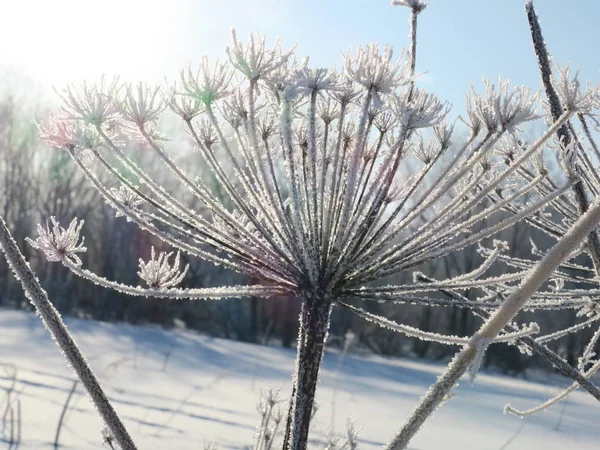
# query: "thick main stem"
x,y
36,294
513,304
314,321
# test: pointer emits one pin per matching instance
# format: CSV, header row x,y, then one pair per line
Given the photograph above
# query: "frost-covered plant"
x,y
319,197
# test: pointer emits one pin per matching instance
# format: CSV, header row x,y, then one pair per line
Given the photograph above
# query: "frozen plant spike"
x,y
419,109
501,108
426,151
327,110
314,80
184,106
62,132
443,131
58,243
159,273
207,134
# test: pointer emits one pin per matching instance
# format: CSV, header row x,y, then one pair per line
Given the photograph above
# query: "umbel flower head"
x,y
127,199
58,243
158,272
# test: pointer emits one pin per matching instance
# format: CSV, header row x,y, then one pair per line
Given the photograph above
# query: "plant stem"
x,y
513,304
39,298
63,413
314,321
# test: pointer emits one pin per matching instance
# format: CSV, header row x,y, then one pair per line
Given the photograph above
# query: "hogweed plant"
x,y
331,181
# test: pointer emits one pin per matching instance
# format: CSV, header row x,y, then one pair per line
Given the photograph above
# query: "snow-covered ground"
x,y
207,389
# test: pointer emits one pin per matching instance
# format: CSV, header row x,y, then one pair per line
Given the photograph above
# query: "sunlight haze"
x,y
57,41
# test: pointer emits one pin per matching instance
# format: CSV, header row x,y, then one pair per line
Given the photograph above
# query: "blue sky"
x,y
459,40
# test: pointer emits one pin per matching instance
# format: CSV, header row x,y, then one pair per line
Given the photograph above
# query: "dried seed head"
x,y
142,104
569,91
93,104
206,85
253,60
419,109
127,199
159,273
58,243
376,71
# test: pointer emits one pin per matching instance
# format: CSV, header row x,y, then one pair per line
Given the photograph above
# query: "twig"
x,y
12,427
167,356
514,435
62,414
183,402
562,413
19,423
349,337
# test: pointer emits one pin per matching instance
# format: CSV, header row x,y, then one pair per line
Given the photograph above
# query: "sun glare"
x,y
59,40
